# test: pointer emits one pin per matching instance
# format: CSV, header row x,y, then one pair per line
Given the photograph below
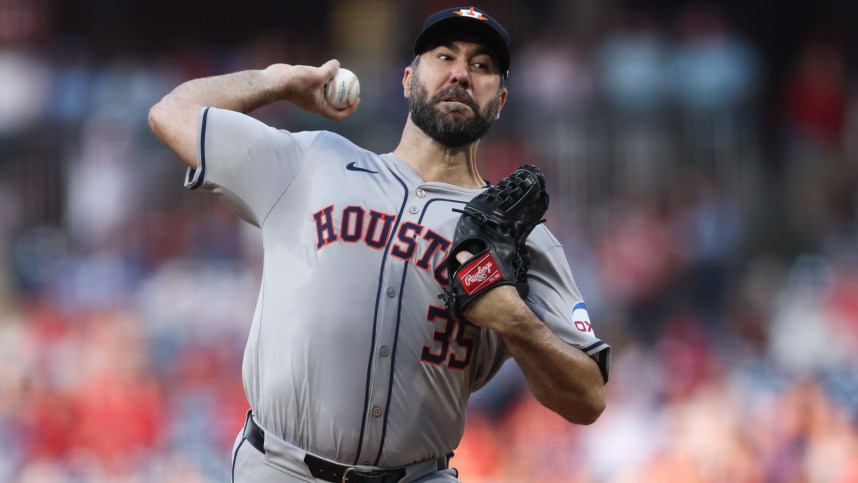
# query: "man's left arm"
x,y
562,377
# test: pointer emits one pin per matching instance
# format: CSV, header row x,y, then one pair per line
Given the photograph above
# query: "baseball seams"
x,y
342,90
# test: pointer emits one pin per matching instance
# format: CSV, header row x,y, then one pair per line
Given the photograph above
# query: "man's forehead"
x,y
462,41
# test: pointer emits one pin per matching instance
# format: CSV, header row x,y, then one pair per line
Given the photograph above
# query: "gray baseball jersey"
x,y
351,354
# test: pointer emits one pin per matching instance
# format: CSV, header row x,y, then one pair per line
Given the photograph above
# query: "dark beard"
x,y
445,128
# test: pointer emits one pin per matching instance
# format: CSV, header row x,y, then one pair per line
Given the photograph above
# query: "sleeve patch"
x,y
580,318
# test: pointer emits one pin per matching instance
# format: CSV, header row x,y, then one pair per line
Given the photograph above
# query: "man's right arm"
x,y
175,118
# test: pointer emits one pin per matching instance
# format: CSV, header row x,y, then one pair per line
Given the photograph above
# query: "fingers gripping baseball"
x,y
343,90
306,89
339,92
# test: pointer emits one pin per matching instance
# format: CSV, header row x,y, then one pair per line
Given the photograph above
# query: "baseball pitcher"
x,y
394,284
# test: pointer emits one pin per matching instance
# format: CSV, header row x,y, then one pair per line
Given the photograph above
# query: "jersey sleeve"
x,y
555,299
245,162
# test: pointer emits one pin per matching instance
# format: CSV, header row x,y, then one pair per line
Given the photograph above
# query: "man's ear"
x,y
406,82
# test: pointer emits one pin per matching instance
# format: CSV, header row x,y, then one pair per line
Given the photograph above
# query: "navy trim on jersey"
x,y
202,166
602,357
375,327
604,362
592,346
235,457
392,365
396,334
420,220
237,448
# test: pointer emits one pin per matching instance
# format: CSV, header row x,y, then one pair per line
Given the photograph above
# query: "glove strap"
x,y
479,273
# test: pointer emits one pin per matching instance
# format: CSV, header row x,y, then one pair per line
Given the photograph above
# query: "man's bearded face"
x,y
453,128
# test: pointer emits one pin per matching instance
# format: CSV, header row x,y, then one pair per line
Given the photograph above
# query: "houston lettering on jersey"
x,y
355,224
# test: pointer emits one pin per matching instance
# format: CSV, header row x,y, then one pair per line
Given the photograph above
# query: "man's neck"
x,y
438,163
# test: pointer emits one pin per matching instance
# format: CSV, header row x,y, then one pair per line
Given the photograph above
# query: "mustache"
x,y
458,92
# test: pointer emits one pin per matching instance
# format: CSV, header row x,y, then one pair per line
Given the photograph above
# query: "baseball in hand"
x,y
342,91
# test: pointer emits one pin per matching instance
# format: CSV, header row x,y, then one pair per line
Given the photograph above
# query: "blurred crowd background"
x,y
702,160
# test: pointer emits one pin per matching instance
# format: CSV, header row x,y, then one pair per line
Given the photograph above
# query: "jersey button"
x,y
420,193
391,292
376,411
384,351
413,210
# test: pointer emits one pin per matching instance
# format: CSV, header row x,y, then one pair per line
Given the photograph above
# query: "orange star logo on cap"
x,y
471,13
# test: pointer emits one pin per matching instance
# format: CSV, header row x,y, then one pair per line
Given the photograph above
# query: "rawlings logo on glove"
x,y
494,227
479,273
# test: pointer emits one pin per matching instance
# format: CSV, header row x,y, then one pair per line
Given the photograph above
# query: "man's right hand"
x,y
305,87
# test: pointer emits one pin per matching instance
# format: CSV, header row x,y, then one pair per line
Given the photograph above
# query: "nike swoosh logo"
x,y
351,167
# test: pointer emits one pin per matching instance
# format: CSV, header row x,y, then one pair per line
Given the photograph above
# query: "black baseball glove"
x,y
494,227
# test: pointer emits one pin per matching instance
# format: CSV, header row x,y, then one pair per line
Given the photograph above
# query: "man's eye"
x,y
444,57
481,66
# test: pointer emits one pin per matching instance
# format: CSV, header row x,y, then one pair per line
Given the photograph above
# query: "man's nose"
x,y
460,74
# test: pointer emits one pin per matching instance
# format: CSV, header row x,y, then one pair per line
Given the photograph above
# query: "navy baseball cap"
x,y
467,20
